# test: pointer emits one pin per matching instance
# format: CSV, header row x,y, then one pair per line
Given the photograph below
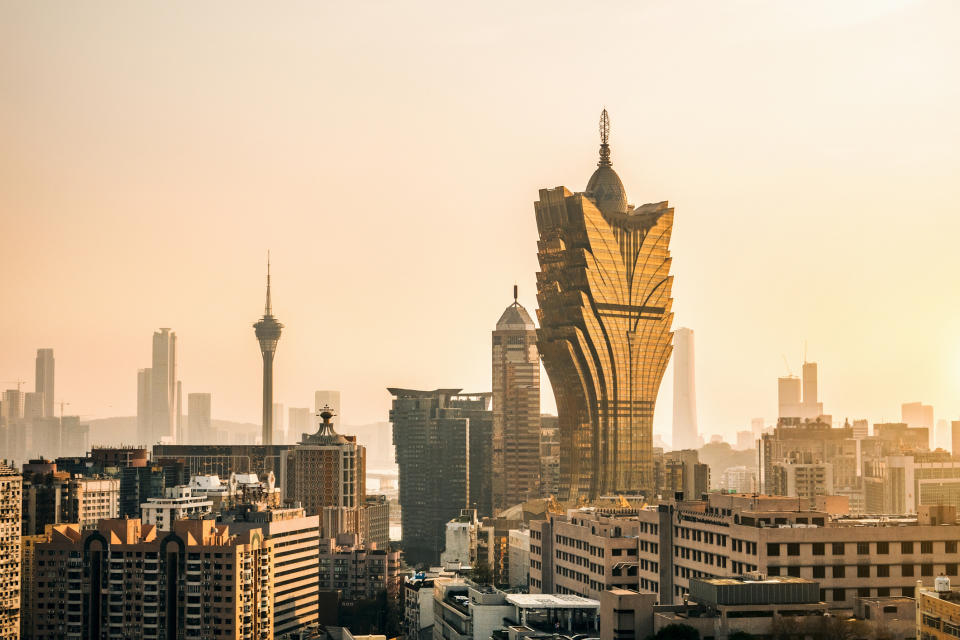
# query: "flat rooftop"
x,y
551,601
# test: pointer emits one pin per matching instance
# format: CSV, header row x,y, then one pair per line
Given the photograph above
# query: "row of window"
x,y
863,570
862,548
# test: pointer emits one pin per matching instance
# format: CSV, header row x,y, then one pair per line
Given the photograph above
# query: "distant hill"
x,y
376,437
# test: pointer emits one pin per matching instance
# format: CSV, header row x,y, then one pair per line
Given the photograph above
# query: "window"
x,y
819,572
839,595
863,548
863,571
793,571
793,549
883,592
839,571
863,592
926,547
773,571
883,571
950,546
908,592
906,571
838,548
818,548
926,569
906,547
951,569
883,547
773,549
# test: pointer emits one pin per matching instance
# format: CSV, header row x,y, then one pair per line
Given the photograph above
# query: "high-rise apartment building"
x,y
13,404
199,422
357,570
328,398
431,438
516,408
268,331
43,382
327,475
917,415
11,487
201,580
295,538
144,415
33,405
603,292
789,390
685,432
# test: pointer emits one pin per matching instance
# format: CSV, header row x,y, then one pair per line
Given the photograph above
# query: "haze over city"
x,y
389,157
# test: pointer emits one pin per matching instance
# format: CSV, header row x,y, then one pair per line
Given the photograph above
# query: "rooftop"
x,y
551,601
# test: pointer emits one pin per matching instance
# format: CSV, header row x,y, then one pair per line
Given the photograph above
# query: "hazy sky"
x,y
389,154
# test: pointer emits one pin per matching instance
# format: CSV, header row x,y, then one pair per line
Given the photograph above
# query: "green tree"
x,y
677,632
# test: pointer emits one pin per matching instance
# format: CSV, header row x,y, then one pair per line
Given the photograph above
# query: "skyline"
x,y
838,162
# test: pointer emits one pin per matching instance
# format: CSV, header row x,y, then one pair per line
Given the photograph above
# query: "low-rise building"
x,y
938,611
661,549
177,503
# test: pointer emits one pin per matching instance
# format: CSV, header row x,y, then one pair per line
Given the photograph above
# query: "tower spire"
x,y
604,139
268,307
514,294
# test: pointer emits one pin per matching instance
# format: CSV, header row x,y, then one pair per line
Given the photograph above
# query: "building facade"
x,y
358,571
44,380
11,487
431,438
199,424
197,581
516,408
603,292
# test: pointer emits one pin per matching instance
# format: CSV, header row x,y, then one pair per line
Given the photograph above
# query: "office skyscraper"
x,y
431,439
685,433
160,400
199,423
43,382
144,388
605,314
268,334
298,422
516,408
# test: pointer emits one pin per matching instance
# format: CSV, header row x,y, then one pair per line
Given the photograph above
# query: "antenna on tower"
x,y
514,294
604,139
267,309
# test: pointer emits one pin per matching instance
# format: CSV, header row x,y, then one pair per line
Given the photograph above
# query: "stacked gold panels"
x,y
605,315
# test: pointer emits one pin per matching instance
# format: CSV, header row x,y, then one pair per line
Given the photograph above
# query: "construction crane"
x,y
62,404
786,364
19,382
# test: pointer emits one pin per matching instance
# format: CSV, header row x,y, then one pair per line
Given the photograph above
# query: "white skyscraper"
x,y
685,433
330,399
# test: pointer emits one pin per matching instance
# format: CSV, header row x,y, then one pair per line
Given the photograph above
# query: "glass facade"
x,y
605,336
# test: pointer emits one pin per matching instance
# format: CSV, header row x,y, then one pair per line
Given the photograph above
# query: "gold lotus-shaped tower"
x,y
603,292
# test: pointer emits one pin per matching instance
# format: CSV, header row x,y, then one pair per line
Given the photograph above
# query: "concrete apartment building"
x,y
200,580
661,549
89,500
11,487
357,570
295,542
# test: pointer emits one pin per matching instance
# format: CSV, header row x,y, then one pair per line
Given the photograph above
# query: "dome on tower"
x,y
605,188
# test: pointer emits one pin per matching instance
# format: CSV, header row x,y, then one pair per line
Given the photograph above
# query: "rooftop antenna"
x,y
804,352
514,293
267,310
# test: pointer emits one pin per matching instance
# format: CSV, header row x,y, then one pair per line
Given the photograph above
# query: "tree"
x,y
482,574
740,635
677,632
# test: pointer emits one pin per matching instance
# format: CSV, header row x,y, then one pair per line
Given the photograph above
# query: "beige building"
x,y
661,549
201,580
938,611
90,500
11,488
357,570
